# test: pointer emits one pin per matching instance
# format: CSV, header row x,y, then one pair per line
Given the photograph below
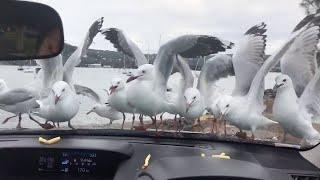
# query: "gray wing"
x,y
248,58
186,46
217,67
81,51
184,69
85,91
299,62
256,91
308,20
125,45
310,98
15,96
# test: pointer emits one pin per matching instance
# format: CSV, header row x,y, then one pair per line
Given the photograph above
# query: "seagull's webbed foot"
x,y
241,134
46,125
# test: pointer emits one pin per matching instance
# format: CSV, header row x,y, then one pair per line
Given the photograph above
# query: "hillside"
x,y
107,58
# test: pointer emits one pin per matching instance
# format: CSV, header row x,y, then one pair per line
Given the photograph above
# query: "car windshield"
x,y
229,70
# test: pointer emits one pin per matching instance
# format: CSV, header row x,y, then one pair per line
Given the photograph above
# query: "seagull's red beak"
x,y
188,106
89,111
131,78
112,89
56,99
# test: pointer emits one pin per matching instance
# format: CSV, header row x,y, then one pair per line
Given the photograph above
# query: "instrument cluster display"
x,y
74,162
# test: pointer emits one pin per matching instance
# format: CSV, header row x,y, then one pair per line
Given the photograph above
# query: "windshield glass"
x,y
235,70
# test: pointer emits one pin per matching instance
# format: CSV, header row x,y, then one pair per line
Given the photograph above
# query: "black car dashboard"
x,y
110,157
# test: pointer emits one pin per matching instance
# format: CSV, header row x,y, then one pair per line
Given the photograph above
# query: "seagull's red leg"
x,y
8,118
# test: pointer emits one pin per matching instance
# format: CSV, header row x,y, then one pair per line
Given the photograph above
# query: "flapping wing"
x,y
186,46
308,20
184,69
248,58
123,44
52,71
16,96
256,91
81,51
85,91
310,98
299,62
191,46
217,67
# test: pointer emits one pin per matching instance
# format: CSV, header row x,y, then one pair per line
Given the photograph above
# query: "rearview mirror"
x,y
29,30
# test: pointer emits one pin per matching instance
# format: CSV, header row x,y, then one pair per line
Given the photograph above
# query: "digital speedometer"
x,y
75,162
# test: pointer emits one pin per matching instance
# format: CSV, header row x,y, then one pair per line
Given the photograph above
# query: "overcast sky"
x,y
153,22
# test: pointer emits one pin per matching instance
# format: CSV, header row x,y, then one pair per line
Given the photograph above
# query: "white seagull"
x,y
246,111
126,46
60,106
175,90
147,91
54,71
294,114
18,101
100,108
245,63
118,99
105,110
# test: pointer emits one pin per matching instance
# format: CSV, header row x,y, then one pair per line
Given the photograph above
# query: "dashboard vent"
x,y
304,177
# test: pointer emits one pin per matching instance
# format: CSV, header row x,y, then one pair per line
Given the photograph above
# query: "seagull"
x,y
293,113
296,118
128,47
148,87
53,71
118,99
244,64
246,111
175,91
100,108
18,101
105,110
60,106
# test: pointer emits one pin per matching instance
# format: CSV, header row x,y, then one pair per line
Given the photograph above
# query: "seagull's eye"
x,y
143,71
118,82
227,105
63,90
284,80
194,97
